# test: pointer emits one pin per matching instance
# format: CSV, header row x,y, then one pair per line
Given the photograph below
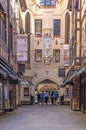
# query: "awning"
x,y
3,72
7,71
71,74
81,70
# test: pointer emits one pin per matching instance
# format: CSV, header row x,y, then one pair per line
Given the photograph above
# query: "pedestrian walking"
x,y
38,97
52,98
42,95
46,97
55,95
35,97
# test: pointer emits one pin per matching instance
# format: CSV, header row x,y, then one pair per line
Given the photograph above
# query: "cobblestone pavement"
x,y
39,117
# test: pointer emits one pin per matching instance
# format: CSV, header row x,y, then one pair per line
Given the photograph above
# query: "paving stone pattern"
x,y
42,117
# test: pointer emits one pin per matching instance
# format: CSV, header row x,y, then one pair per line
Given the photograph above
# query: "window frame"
x,y
57,26
54,55
39,51
3,27
38,32
67,27
47,3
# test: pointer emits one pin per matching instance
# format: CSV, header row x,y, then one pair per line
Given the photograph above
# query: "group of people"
x,y
47,97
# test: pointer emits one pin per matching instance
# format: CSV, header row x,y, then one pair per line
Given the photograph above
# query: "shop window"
x,y
0,96
66,91
26,91
56,27
38,27
56,55
38,55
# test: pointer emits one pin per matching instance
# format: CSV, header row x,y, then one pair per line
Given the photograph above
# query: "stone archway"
x,y
55,80
47,87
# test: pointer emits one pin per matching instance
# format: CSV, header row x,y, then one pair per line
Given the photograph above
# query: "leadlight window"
x,y
38,27
56,55
56,27
67,27
10,37
48,2
38,55
27,30
2,25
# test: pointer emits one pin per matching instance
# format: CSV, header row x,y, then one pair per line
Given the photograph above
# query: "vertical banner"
x,y
47,46
66,55
22,47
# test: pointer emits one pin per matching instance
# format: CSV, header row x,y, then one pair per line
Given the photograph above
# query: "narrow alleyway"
x,y
43,118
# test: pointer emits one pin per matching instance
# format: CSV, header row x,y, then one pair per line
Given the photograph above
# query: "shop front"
x,y
83,92
8,82
81,73
1,102
73,81
3,76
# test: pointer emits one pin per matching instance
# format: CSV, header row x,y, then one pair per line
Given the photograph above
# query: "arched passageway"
x,y
47,85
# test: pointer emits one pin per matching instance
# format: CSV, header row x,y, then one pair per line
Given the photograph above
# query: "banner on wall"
x,y
22,47
47,46
66,55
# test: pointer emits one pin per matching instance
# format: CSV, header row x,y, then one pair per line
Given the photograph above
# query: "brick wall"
x,y
76,94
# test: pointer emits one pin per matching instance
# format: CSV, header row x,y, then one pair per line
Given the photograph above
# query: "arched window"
x,y
27,31
27,23
85,21
67,27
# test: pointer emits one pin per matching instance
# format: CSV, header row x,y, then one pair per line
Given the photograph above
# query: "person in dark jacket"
x,y
52,98
38,97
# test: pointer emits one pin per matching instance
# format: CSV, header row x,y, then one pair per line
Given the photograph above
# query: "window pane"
x,y
53,2
38,55
67,27
56,27
47,2
38,26
56,55
42,2
61,72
